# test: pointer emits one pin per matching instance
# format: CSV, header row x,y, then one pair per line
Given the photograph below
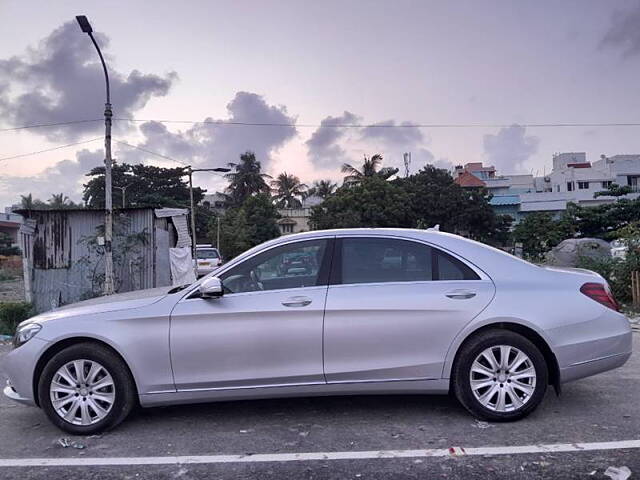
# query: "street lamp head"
x,y
221,169
85,26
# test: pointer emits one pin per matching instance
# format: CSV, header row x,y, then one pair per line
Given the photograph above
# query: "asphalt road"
x,y
604,408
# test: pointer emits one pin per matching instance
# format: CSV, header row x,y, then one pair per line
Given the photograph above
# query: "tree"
x,y
435,199
322,188
246,179
614,190
147,186
246,226
372,202
60,201
288,191
539,232
427,198
370,168
27,202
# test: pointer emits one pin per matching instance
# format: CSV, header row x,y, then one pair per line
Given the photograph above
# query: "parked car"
x,y
381,311
618,249
208,259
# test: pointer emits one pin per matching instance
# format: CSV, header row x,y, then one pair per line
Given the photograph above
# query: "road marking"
x,y
311,456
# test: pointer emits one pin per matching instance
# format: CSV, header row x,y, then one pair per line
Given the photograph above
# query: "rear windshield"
x,y
207,253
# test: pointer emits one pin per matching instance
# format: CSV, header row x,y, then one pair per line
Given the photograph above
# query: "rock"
x,y
568,252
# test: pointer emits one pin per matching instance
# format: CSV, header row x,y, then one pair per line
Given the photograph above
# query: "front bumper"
x,y
11,393
19,365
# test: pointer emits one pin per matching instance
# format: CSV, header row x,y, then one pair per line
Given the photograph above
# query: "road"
x,y
604,408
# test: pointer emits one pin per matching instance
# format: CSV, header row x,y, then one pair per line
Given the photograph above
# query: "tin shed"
x,y
64,254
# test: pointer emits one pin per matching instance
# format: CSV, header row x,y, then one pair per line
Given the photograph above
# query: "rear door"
x,y
393,308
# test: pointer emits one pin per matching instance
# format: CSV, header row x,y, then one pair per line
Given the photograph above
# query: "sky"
x,y
310,67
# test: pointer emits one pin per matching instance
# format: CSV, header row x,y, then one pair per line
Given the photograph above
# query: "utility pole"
x,y
85,26
189,171
218,234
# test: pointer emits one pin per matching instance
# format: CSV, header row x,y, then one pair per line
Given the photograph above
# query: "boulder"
x,y
568,252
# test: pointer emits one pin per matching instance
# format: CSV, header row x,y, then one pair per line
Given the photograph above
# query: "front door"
x,y
394,307
266,330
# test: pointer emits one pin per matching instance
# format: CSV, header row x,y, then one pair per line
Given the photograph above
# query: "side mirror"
x,y
211,288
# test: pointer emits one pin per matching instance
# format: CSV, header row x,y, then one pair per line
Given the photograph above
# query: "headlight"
x,y
25,333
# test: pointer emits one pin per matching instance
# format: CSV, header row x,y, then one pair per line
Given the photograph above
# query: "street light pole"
x,y
189,171
85,26
124,190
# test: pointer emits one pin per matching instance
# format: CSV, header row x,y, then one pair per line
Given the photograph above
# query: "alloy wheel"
x,y
503,378
82,392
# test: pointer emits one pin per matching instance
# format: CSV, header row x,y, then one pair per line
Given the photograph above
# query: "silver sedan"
x,y
373,311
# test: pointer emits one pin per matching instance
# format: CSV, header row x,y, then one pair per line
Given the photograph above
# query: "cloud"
x,y
405,133
66,176
624,31
208,144
510,148
393,139
62,80
323,146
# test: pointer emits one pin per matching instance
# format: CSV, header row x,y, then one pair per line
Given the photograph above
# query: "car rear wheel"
x,y
86,388
500,375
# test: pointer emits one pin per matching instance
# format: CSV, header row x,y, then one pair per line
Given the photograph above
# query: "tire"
x,y
102,404
520,392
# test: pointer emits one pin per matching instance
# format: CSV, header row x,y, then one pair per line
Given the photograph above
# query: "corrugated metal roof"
x,y
497,200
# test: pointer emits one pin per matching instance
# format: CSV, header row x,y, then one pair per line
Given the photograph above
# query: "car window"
x,y
450,268
369,260
375,260
295,265
202,253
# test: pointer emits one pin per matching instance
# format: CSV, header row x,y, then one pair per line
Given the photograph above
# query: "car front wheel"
x,y
500,376
85,389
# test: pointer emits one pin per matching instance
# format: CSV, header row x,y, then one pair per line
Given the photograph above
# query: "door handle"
x,y
297,302
460,294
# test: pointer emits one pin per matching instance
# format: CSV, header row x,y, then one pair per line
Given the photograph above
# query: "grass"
x,y
11,314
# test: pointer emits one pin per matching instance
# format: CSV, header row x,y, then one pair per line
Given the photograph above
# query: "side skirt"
x,y
440,386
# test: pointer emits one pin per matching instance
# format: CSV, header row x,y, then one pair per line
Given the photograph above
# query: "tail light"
x,y
601,294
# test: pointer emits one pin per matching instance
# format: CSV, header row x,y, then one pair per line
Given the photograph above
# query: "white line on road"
x,y
310,456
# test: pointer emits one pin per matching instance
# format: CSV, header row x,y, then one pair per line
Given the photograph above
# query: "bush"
x,y
616,271
11,314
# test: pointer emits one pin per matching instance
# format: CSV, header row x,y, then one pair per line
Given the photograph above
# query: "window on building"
x,y
286,228
583,185
570,186
607,184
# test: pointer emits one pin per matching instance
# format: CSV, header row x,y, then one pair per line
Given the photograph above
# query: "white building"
x,y
572,180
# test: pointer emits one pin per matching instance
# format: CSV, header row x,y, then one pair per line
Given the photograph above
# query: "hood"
x,y
108,303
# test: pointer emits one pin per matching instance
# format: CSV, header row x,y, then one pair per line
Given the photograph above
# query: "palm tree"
x,y
59,200
246,179
288,190
27,202
322,189
370,168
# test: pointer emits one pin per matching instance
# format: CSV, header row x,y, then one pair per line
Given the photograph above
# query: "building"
x,y
296,220
62,253
10,224
572,179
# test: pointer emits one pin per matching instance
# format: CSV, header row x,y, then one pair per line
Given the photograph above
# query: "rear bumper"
x,y
593,367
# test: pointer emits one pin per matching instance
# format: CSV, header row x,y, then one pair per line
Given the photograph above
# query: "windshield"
x,y
207,253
